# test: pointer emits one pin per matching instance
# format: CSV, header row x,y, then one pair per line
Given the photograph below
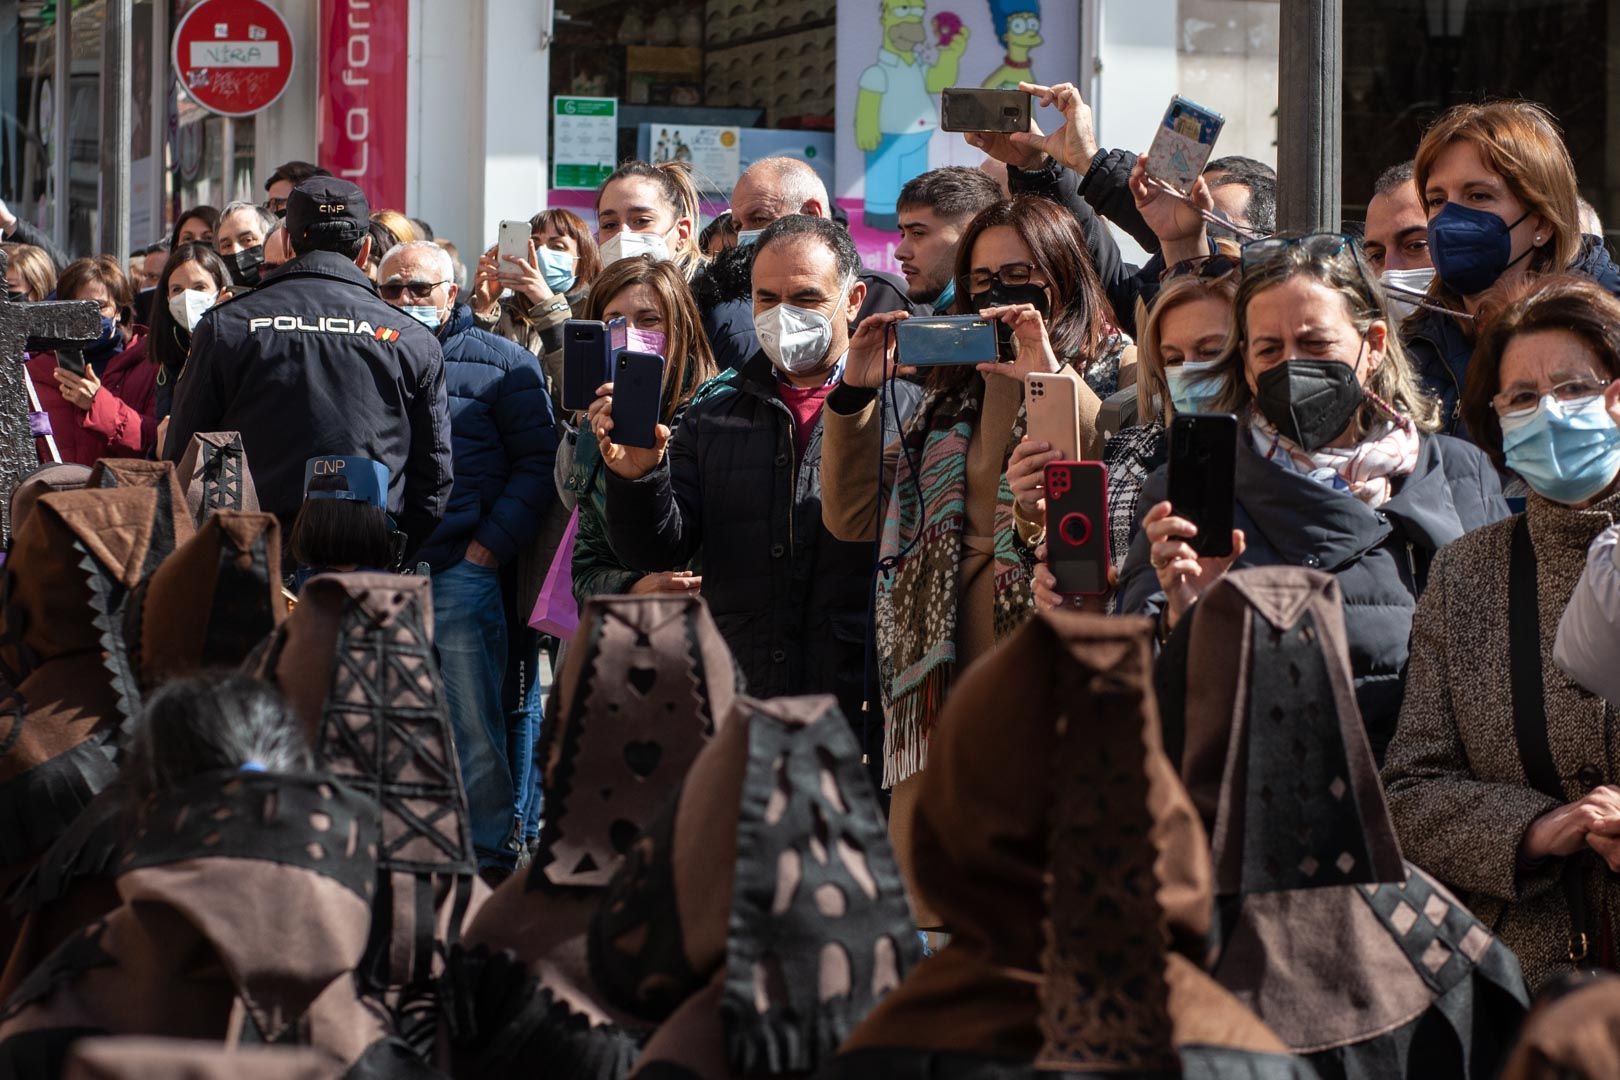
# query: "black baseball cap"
x,y
325,206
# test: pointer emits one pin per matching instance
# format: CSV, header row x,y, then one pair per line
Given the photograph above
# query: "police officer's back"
x,y
314,362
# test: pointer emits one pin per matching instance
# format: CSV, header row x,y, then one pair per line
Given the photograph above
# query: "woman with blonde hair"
x,y
1499,186
404,230
1337,468
30,276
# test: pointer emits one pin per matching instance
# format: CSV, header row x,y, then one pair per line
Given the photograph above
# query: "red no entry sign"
x,y
234,57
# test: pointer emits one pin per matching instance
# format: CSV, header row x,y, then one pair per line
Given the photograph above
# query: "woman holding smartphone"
x,y
1337,468
662,318
947,528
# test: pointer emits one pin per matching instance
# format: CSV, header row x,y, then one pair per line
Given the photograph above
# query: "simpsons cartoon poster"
x,y
894,58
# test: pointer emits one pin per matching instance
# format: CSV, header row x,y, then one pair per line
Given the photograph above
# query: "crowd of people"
x,y
368,712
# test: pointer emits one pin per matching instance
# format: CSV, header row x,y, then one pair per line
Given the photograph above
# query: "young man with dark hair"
x,y
740,481
934,210
314,362
280,184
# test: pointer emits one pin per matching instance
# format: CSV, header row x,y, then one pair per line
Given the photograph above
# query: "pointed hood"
x,y
214,473
778,814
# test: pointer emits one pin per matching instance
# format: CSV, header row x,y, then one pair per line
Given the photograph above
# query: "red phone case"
x,y
1077,525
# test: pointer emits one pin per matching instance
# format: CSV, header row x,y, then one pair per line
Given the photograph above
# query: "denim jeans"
x,y
523,697
470,637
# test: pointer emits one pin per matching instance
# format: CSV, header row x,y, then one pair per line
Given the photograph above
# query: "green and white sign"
x,y
585,140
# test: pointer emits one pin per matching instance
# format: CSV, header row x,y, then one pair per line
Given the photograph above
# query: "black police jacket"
x,y
314,362
789,598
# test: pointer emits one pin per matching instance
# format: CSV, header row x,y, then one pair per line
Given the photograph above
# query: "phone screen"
x,y
943,340
966,108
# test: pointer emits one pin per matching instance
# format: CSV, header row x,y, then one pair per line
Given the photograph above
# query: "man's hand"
x,y
668,581
479,555
78,390
629,462
1073,144
1004,149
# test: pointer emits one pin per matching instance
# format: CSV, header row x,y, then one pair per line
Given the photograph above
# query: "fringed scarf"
x,y
919,580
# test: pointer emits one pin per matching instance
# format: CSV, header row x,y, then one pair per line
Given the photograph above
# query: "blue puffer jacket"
x,y
503,445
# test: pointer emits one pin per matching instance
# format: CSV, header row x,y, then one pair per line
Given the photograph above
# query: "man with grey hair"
x,y
503,446
768,190
239,239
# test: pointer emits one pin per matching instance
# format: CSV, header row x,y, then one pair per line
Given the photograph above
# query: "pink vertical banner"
x,y
364,77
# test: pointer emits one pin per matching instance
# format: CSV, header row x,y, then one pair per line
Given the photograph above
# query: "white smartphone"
x,y
514,242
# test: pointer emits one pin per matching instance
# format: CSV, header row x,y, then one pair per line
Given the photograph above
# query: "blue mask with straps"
x,y
748,236
1471,248
1192,385
426,314
1566,451
557,267
946,297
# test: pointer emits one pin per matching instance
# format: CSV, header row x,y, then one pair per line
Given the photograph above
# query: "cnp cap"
x,y
334,209
355,479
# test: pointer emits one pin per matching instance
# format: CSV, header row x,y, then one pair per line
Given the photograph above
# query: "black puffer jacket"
x,y
724,293
790,600
1380,557
1440,351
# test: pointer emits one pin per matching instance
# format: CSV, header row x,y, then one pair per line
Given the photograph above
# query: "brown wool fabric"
x,y
213,601
777,815
1060,782
175,1059
66,477
355,660
214,472
1573,1034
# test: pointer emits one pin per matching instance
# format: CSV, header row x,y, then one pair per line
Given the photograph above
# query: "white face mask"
x,y
1415,280
624,244
796,340
188,307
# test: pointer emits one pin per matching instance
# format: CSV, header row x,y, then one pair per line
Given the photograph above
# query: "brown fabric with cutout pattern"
x,y
214,472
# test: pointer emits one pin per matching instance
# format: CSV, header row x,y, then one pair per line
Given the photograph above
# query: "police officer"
x,y
314,362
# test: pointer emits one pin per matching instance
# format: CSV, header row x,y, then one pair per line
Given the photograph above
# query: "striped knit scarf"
x,y
919,585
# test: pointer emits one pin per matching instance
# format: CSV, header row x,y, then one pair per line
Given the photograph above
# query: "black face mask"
x,y
1310,402
244,265
1000,295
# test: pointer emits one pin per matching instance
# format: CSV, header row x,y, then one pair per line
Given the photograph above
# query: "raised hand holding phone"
x,y
1032,349
1074,143
629,462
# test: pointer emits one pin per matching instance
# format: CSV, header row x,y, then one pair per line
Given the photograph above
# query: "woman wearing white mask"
x,y
948,526
1503,778
190,284
645,209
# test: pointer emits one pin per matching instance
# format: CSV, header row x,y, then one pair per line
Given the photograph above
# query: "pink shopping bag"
x,y
555,611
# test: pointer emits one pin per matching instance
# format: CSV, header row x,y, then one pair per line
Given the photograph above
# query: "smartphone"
x,y
638,389
1203,464
1052,405
514,242
969,108
942,340
1077,526
1182,145
589,347
69,358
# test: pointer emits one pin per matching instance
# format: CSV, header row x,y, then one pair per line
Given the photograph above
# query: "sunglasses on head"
x,y
1204,267
1257,253
419,290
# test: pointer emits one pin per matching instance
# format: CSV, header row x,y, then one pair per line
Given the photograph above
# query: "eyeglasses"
x,y
276,206
1015,274
419,290
1524,399
1257,253
1204,267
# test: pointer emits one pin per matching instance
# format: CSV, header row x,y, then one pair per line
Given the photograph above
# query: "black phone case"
x,y
585,364
71,359
638,385
1077,526
1203,466
973,117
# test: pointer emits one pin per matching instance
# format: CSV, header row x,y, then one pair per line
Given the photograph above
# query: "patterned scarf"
x,y
1366,470
919,580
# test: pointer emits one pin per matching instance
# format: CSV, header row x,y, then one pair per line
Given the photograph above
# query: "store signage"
x,y
585,140
364,82
233,57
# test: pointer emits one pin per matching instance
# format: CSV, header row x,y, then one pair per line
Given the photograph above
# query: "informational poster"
x,y
585,140
363,81
894,58
715,153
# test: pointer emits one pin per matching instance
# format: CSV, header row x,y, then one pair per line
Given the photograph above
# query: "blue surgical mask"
x,y
1191,385
1471,248
946,297
557,267
748,236
1566,451
426,314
